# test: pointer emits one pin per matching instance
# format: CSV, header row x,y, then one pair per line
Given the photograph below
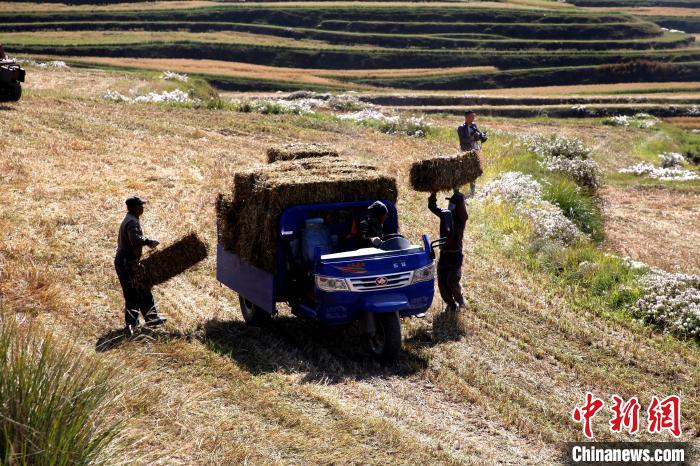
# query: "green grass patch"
x,y
52,401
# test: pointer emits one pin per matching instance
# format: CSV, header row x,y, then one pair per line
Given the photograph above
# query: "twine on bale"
x,y
299,150
444,173
248,219
164,264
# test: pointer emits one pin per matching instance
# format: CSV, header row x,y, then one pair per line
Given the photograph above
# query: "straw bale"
x,y
299,150
447,172
164,264
249,218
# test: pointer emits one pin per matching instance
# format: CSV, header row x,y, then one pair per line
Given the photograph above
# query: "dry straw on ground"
x,y
164,264
248,219
444,173
299,150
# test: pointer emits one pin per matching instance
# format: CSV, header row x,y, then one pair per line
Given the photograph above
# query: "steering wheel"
x,y
391,236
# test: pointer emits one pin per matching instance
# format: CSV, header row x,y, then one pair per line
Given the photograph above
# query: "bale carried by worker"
x,y
248,218
164,264
299,150
444,173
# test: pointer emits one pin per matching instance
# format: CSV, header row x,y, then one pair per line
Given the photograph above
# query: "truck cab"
x,y
324,274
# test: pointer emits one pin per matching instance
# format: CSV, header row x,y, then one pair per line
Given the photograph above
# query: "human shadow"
x,y
6,108
293,345
449,326
113,339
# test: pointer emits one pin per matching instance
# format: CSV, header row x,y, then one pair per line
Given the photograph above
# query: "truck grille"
x,y
380,282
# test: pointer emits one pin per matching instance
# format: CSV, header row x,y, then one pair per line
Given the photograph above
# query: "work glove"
x,y
152,243
376,242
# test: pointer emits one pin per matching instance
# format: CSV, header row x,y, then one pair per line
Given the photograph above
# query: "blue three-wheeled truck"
x,y
323,274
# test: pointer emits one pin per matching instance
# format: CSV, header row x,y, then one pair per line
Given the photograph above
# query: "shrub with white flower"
x,y
568,156
175,96
53,64
671,301
172,76
584,172
390,124
553,146
525,193
639,120
659,173
671,159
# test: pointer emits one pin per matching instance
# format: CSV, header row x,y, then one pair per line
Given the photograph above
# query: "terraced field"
x,y
438,46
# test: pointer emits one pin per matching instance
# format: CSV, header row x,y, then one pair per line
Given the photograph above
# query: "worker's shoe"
x,y
129,330
153,319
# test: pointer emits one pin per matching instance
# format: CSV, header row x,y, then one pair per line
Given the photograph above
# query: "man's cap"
x,y
134,201
378,208
469,112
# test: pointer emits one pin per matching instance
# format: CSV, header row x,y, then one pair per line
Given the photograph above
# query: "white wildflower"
x,y
660,173
584,171
671,301
554,146
175,96
172,76
639,120
671,159
525,193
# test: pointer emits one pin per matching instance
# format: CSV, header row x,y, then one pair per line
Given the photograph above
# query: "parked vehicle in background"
x,y
11,78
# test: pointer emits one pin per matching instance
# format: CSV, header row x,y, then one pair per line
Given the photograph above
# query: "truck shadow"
x,y
292,345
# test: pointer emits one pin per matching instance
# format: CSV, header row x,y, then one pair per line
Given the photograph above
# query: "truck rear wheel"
x,y
253,315
11,92
385,342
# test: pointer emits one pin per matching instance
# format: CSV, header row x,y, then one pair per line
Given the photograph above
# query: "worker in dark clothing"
x,y
470,138
129,249
371,228
449,269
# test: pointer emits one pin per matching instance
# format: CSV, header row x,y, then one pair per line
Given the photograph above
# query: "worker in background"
x,y
129,249
453,221
470,138
371,228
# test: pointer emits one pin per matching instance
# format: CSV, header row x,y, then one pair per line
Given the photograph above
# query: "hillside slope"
x,y
496,385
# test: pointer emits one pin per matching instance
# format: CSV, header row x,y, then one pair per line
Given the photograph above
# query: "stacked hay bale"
x,y
164,264
248,218
444,173
299,150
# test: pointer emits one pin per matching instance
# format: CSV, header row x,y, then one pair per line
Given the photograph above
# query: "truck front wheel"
x,y
15,91
385,342
253,315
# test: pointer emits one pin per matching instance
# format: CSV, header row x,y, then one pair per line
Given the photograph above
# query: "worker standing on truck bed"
x,y
453,221
129,248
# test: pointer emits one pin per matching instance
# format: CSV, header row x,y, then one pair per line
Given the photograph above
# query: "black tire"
x,y
252,314
385,343
15,91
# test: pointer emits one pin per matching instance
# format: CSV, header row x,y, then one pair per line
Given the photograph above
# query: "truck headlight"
x,y
424,274
331,283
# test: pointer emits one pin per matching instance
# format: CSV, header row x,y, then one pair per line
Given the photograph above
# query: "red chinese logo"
x,y
625,415
665,415
661,415
586,412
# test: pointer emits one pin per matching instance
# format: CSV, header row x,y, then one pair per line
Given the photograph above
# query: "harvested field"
x,y
248,220
659,227
445,173
211,390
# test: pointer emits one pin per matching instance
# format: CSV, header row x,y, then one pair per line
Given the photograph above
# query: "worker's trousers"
x,y
449,276
135,299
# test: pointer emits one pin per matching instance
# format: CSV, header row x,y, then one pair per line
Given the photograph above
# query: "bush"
x,y
52,401
583,210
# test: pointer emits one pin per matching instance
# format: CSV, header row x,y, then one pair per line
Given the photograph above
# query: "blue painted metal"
x,y
337,307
